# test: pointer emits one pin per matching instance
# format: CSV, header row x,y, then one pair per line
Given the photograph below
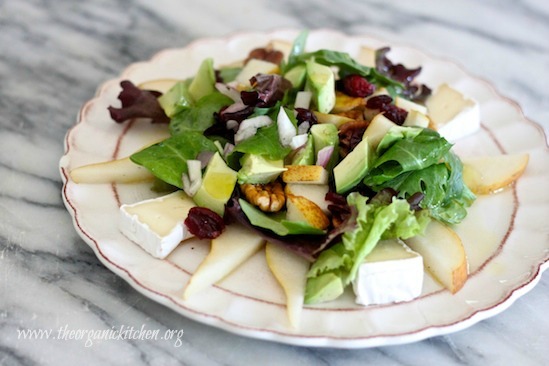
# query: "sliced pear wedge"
x,y
443,255
300,208
290,270
488,174
228,251
115,171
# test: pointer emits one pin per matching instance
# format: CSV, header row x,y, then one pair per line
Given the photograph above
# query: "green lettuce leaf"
x,y
423,163
167,160
337,266
200,116
265,143
277,223
406,155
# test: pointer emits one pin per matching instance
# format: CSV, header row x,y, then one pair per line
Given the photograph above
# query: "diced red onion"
x,y
234,108
204,158
249,127
286,129
232,125
191,187
298,141
229,91
323,156
303,128
228,149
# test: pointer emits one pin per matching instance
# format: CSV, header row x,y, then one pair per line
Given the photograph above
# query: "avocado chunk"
x,y
353,168
204,81
296,75
258,170
217,186
176,99
321,81
277,223
325,287
326,135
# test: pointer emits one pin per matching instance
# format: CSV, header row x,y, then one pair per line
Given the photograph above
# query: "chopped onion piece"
x,y
194,169
232,125
191,187
298,141
204,158
303,128
303,99
228,149
286,129
193,178
229,91
235,107
249,127
323,156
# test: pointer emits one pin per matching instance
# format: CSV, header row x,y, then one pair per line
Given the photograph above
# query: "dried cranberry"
x,y
394,113
378,101
305,115
204,223
384,104
357,86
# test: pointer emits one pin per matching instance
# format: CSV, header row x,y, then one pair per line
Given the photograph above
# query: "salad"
x,y
326,159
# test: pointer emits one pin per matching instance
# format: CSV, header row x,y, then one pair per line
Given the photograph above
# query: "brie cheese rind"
x,y
157,225
392,272
452,114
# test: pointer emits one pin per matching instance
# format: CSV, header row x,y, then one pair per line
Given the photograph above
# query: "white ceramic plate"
x,y
505,234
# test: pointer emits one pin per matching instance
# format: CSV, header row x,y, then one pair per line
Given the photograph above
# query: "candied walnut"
x,y
356,114
268,197
345,103
265,54
339,208
350,135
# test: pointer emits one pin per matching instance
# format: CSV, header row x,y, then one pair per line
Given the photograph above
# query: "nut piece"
x,y
345,103
268,197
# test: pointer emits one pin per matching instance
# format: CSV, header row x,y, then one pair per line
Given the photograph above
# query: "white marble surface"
x,y
52,57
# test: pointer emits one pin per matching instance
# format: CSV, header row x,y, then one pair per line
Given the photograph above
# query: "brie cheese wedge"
x,y
157,225
453,115
392,272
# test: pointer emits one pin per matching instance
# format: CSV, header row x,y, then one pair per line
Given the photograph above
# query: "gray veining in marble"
x,y
53,54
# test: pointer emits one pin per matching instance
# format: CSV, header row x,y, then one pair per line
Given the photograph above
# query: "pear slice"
x,y
160,85
302,209
228,251
443,255
313,192
290,270
334,119
305,174
115,171
488,174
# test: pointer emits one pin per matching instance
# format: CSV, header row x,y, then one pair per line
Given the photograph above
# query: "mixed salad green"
x,y
404,180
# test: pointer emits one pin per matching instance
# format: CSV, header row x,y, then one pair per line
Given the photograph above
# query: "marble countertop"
x,y
54,55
